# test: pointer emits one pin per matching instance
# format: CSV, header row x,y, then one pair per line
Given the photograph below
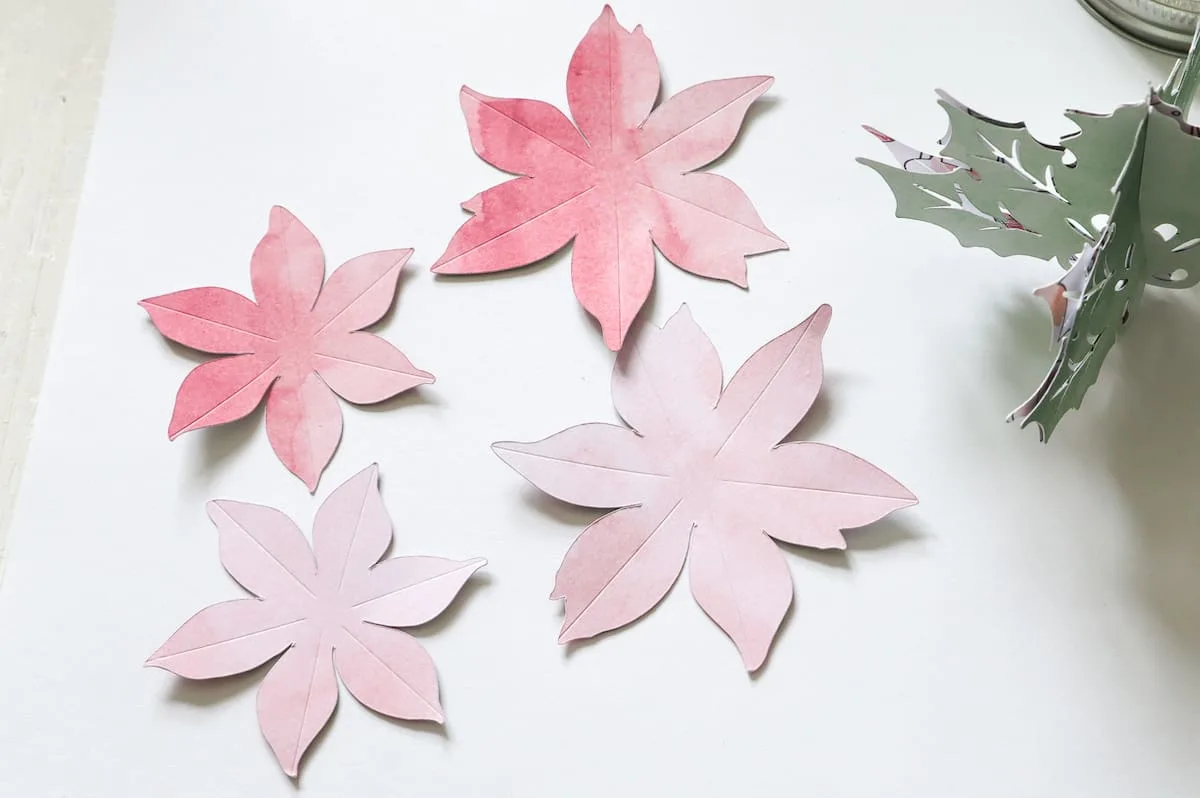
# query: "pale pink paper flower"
x,y
298,344
702,476
621,180
323,607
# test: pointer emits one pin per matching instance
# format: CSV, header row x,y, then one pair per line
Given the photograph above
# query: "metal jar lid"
x,y
1165,25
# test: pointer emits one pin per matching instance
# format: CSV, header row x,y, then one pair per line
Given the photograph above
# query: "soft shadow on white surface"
x,y
1153,449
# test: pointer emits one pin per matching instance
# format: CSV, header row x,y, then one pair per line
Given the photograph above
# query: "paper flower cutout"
x,y
323,607
298,344
1111,203
621,180
700,476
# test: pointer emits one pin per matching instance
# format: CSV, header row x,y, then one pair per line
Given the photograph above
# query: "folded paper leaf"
x,y
1111,203
326,609
621,183
298,345
699,474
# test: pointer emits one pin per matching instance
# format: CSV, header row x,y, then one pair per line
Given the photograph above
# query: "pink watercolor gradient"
x,y
702,469
616,185
324,607
298,345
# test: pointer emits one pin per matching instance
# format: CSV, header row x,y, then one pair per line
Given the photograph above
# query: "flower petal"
x,y
612,80
389,672
209,319
699,123
666,383
806,493
410,591
515,224
364,368
706,225
286,269
297,698
263,550
304,425
773,389
359,291
740,579
220,391
620,567
523,137
593,465
228,638
612,268
352,530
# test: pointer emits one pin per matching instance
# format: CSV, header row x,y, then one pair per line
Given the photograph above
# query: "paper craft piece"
x,y
324,607
1113,203
298,345
624,179
701,475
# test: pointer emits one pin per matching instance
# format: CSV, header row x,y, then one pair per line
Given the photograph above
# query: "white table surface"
x,y
1031,629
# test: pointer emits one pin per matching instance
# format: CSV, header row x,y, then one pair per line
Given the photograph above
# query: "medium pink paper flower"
x,y
323,608
298,344
621,180
702,477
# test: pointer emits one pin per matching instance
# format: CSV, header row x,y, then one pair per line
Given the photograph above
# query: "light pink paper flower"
x,y
624,178
701,475
294,344
323,607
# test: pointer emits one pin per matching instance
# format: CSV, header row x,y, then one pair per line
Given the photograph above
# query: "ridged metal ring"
x,y
1163,25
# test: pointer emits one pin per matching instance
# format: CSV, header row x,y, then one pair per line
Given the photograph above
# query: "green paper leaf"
x,y
1122,192
1114,286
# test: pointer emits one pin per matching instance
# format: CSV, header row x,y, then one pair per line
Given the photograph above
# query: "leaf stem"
x,y
1184,80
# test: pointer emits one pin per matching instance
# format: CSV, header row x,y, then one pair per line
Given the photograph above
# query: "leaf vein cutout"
x,y
701,121
270,554
433,709
621,569
211,411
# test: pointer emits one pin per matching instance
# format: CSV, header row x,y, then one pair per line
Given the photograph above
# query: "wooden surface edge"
x,y
52,55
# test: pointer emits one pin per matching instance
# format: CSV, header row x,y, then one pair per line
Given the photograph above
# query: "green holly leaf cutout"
x,y
1112,203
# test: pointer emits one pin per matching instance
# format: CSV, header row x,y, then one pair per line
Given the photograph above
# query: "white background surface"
x,y
1031,629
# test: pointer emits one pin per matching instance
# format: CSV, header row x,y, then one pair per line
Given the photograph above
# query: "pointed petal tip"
x,y
751,666
614,340
475,563
465,92
403,255
503,450
819,320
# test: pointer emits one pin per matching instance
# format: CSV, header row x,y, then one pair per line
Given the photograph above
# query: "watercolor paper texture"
x,y
1113,203
326,608
618,182
700,475
299,342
